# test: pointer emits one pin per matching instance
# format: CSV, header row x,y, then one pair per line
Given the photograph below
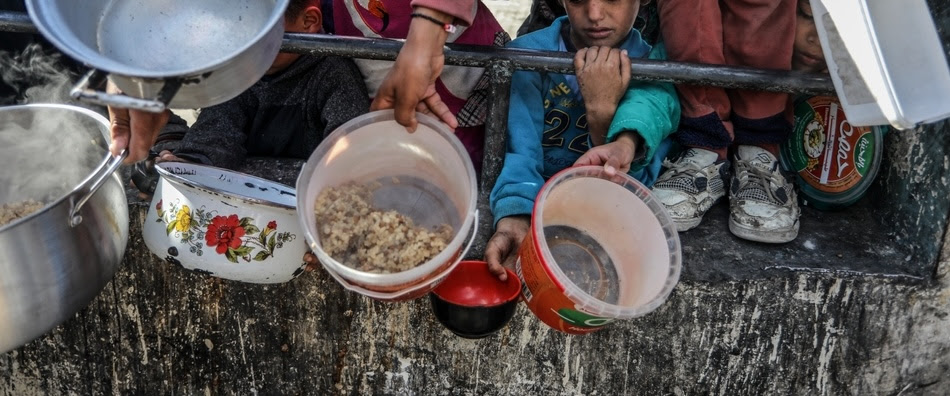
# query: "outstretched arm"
x,y
410,84
512,197
649,108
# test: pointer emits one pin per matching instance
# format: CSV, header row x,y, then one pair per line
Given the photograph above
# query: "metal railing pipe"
x,y
734,77
16,22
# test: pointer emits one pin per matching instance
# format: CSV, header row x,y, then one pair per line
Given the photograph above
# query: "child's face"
x,y
807,55
604,23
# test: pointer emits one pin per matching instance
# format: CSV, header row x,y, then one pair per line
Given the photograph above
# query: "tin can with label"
x,y
834,161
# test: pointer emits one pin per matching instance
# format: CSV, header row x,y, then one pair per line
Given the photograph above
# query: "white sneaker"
x,y
690,186
762,202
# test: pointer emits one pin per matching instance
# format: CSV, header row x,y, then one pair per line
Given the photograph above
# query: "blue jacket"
x,y
547,129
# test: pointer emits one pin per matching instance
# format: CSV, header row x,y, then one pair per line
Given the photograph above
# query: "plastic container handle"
x,y
84,91
99,176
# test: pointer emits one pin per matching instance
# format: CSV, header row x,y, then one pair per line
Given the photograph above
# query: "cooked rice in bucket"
x,y
368,239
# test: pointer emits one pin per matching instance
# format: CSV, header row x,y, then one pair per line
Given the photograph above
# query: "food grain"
x,y
368,239
15,210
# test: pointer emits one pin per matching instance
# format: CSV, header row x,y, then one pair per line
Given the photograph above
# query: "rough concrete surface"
x,y
160,329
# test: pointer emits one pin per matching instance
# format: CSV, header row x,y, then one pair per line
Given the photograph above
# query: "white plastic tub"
x,y
886,61
425,175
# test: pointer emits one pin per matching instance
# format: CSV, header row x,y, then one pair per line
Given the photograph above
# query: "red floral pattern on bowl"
x,y
209,220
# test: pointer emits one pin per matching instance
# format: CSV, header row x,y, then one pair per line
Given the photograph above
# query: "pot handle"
x,y
85,91
98,177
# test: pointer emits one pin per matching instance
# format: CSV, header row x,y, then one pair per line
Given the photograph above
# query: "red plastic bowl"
x,y
472,303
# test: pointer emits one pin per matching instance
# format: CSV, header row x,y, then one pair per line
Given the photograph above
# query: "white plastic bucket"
x,y
426,176
886,61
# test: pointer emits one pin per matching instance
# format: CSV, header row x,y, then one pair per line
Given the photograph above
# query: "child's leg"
x,y
692,32
762,203
759,33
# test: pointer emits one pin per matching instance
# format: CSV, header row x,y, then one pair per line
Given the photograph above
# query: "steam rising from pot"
x,y
44,152
37,77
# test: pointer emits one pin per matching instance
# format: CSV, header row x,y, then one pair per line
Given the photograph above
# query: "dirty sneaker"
x,y
762,202
690,186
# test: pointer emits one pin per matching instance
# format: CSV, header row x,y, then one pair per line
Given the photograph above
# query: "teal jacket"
x,y
547,130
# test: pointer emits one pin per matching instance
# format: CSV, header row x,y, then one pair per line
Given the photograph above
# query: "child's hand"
x,y
502,248
167,156
614,156
311,261
603,75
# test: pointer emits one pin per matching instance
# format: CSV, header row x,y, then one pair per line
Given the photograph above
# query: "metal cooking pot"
x,y
55,261
173,53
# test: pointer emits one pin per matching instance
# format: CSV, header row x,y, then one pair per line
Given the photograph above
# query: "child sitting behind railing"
x,y
596,118
750,123
807,55
300,100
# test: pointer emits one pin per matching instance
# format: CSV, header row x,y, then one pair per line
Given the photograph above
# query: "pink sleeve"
x,y
462,10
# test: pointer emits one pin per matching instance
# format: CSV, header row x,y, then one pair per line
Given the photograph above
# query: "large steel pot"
x,y
208,51
55,261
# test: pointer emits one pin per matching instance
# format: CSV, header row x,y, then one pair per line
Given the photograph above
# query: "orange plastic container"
x,y
600,248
